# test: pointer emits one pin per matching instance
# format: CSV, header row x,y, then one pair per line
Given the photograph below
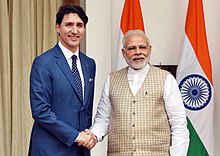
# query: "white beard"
x,y
137,66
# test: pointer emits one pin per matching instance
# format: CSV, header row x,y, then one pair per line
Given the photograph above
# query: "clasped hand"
x,y
87,139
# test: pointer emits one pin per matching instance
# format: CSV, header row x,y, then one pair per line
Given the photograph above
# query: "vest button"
x,y
134,101
133,138
133,113
133,125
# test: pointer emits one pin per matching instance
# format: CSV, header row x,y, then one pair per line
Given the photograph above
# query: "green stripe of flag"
x,y
196,147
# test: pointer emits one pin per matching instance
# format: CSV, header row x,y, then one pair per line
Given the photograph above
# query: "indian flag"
x,y
131,19
194,75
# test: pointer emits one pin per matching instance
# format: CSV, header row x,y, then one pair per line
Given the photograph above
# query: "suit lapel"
x,y
85,71
62,63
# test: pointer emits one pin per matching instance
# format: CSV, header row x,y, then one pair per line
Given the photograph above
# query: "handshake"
x,y
87,139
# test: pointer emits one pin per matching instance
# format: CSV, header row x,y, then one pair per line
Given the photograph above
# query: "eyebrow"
x,y
138,45
74,22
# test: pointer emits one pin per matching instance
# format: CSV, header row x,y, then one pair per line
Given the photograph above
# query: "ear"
x,y
123,52
150,48
58,28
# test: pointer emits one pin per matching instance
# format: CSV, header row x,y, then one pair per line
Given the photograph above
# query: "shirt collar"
x,y
143,70
67,53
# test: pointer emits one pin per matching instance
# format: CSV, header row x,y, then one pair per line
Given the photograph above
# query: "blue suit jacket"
x,y
59,114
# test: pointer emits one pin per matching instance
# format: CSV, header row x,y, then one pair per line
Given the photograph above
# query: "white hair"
x,y
133,32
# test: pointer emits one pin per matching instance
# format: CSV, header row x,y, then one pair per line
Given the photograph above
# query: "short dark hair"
x,y
67,9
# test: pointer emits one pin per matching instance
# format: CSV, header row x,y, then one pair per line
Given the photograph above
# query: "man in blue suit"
x,y
60,110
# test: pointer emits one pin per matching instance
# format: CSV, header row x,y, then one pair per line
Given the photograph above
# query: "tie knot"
x,y
74,57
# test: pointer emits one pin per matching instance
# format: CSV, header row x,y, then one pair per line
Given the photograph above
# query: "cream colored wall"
x,y
98,46
164,24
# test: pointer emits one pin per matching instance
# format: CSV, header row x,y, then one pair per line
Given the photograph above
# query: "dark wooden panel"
x,y
75,2
170,68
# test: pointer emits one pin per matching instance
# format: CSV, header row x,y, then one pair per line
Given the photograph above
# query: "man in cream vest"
x,y
141,108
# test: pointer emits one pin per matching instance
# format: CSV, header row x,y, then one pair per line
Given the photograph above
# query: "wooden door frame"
x,y
75,2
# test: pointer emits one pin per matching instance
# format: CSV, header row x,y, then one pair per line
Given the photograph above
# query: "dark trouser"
x,y
82,152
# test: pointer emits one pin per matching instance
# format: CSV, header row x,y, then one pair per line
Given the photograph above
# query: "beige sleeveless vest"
x,y
139,125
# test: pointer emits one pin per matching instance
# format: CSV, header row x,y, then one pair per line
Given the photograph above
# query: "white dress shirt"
x,y
68,55
173,105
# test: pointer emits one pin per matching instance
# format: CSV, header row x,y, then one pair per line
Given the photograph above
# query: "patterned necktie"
x,y
76,76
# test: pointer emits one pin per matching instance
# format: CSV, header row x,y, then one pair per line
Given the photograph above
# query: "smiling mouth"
x,y
138,59
74,37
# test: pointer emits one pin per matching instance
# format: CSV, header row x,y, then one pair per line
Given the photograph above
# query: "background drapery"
x,y
27,29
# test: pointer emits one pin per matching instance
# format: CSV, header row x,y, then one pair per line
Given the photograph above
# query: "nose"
x,y
138,50
74,30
